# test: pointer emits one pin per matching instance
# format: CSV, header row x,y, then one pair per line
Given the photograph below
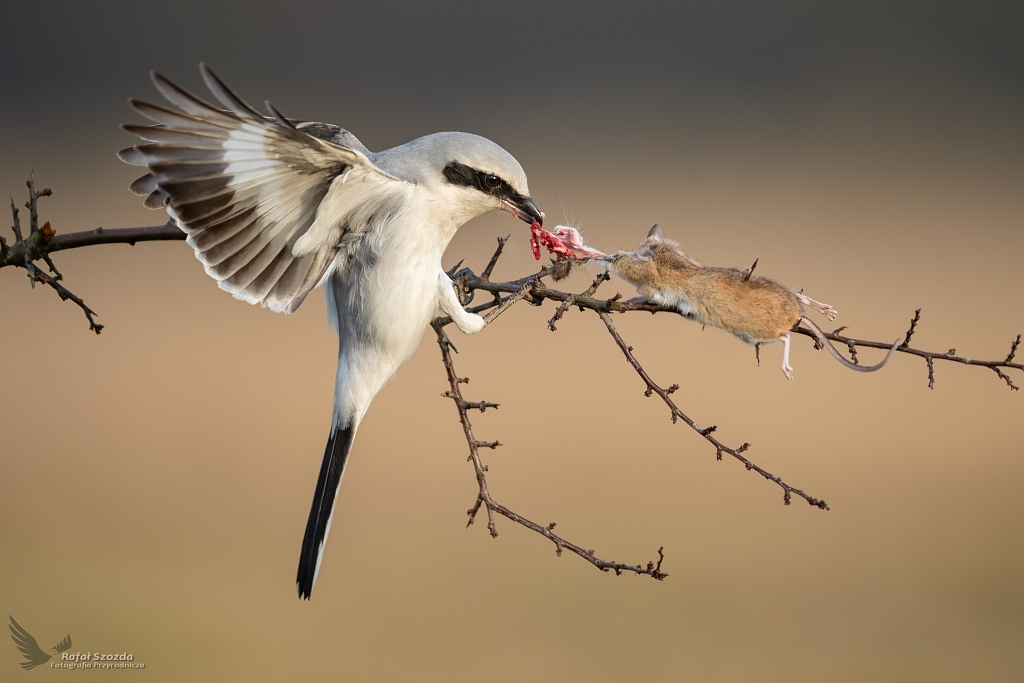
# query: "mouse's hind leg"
x,y
824,309
787,369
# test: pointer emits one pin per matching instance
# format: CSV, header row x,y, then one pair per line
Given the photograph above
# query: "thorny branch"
x,y
42,241
537,292
491,506
929,356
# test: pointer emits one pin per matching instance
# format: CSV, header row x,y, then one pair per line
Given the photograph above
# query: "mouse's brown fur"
x,y
755,309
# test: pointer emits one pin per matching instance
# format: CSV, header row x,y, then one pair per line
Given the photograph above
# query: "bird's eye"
x,y
491,181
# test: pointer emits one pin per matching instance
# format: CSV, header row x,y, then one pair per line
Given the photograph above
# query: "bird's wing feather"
x,y
27,645
248,190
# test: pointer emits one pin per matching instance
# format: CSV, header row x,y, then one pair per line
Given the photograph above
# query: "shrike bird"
x,y
275,207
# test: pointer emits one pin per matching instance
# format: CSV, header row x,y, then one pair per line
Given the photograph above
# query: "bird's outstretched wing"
x,y
28,646
248,190
63,645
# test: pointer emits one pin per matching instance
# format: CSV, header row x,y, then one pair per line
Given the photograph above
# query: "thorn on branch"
x,y
17,222
52,267
502,241
749,271
451,272
447,340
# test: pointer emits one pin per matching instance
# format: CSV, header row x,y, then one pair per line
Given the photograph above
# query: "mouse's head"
x,y
656,265
654,252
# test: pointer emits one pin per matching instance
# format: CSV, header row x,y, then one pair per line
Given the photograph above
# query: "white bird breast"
x,y
381,301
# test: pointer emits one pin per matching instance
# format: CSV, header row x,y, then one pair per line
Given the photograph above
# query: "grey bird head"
x,y
475,175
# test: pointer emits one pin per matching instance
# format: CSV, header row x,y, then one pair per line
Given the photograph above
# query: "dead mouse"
x,y
754,309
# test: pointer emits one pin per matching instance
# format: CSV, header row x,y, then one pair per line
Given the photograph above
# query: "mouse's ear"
x,y
655,233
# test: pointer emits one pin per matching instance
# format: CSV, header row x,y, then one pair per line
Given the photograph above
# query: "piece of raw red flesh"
x,y
564,243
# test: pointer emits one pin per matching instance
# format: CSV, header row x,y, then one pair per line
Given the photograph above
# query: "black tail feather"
x,y
333,467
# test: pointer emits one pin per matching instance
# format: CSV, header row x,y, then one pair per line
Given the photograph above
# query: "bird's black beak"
x,y
528,211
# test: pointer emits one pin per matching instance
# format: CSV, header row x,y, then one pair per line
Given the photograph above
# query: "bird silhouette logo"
x,y
30,648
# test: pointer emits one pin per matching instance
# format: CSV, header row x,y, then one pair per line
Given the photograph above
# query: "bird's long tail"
x,y
824,341
320,514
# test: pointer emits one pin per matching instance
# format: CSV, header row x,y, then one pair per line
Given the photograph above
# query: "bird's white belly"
x,y
400,306
384,301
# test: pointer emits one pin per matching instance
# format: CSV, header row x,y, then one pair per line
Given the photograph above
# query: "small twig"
x,y
65,294
52,267
910,332
587,294
564,306
33,202
1006,378
11,255
1013,349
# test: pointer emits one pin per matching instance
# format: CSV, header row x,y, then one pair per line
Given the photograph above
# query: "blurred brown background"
x,y
155,480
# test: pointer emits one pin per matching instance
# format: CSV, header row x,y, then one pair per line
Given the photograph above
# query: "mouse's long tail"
x,y
824,341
